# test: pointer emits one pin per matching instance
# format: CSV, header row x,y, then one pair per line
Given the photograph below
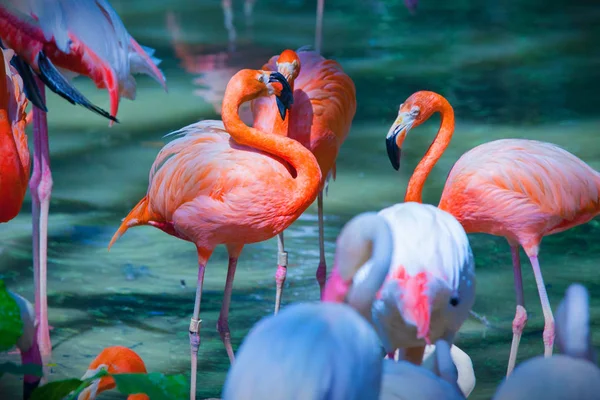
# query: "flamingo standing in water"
x,y
320,119
84,37
227,183
114,360
424,294
520,189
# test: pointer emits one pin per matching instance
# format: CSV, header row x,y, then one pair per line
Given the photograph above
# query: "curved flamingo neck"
x,y
306,184
414,191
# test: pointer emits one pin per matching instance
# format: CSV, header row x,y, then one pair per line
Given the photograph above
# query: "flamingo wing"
x,y
519,182
82,37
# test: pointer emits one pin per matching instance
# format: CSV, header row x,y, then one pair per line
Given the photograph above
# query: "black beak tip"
x,y
286,97
393,151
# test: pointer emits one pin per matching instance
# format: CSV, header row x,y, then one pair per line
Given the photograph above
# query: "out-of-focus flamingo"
x,y
466,379
320,119
227,183
27,343
425,293
403,380
115,360
410,4
573,374
84,37
14,152
214,67
309,351
520,189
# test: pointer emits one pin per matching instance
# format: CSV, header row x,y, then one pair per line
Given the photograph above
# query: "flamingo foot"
x,y
280,276
223,328
518,325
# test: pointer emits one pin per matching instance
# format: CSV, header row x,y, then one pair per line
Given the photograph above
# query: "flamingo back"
x,y
521,189
84,37
323,110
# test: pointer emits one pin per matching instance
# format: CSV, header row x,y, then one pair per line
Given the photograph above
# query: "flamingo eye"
x,y
415,111
454,301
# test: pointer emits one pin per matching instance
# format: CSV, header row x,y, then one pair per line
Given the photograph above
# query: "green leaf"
x,y
15,369
56,390
11,326
156,385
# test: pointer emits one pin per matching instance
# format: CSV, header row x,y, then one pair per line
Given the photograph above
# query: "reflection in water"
x,y
215,68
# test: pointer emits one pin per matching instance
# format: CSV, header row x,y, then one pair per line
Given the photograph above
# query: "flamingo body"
x,y
84,37
521,189
209,189
14,151
432,267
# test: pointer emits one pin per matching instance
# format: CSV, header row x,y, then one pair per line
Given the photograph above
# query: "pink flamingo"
x,y
227,183
324,106
520,189
84,37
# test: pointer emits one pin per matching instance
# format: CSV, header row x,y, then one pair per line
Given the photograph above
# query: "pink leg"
x,y
319,28
521,314
282,260
548,317
194,331
322,269
222,323
41,189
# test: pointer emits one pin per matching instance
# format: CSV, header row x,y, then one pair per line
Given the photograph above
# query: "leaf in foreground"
x,y
56,390
11,326
156,385
16,369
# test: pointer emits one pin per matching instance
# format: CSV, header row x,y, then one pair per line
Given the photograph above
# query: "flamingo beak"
x,y
395,137
285,99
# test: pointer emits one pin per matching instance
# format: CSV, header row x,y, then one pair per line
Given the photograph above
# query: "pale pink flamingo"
x,y
427,290
320,119
227,183
520,189
574,374
84,37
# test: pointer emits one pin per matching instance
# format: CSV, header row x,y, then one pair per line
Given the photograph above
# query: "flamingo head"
x,y
115,359
412,113
274,83
288,64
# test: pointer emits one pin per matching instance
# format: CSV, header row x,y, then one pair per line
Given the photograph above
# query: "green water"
x,y
528,68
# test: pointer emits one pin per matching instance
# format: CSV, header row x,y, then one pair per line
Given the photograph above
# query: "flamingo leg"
x,y
282,260
521,314
31,356
40,185
319,27
194,331
548,317
223,323
322,269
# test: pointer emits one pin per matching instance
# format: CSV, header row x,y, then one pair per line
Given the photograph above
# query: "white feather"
x,y
431,240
